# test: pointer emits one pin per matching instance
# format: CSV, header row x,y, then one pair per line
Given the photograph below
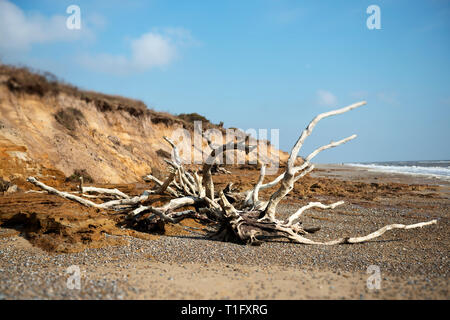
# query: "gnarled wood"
x,y
239,217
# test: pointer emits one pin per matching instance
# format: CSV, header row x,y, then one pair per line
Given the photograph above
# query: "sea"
x,y
432,168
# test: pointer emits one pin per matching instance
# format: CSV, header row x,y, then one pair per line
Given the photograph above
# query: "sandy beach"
x,y
43,235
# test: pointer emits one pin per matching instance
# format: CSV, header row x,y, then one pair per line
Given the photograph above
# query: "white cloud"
x,y
18,31
152,49
157,48
326,98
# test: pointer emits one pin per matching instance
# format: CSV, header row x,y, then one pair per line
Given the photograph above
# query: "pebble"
x,y
43,275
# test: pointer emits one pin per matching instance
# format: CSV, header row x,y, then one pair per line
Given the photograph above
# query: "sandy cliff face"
x,y
43,133
112,146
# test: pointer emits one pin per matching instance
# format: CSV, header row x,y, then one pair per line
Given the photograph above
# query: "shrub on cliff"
x,y
75,177
69,118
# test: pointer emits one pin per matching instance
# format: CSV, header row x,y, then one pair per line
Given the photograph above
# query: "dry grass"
x,y
23,80
69,118
26,80
191,117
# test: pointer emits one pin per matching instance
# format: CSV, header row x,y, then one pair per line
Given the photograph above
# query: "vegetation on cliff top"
x,y
29,81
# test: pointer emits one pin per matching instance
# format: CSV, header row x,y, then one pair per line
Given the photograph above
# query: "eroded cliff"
x,y
50,129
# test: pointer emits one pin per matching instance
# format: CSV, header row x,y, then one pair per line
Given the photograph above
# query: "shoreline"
x,y
355,173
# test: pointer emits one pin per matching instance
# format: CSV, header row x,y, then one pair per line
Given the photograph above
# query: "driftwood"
x,y
237,216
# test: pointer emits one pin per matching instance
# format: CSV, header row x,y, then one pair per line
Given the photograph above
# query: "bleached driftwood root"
x,y
237,216
114,192
65,195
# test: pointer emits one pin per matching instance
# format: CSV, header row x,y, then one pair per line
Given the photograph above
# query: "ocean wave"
x,y
438,172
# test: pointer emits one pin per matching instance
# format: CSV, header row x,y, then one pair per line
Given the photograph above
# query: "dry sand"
x,y
117,263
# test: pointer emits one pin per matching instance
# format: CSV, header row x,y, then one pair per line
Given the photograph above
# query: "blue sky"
x,y
259,64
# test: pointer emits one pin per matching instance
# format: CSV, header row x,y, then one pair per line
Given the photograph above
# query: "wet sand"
x,y
117,264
